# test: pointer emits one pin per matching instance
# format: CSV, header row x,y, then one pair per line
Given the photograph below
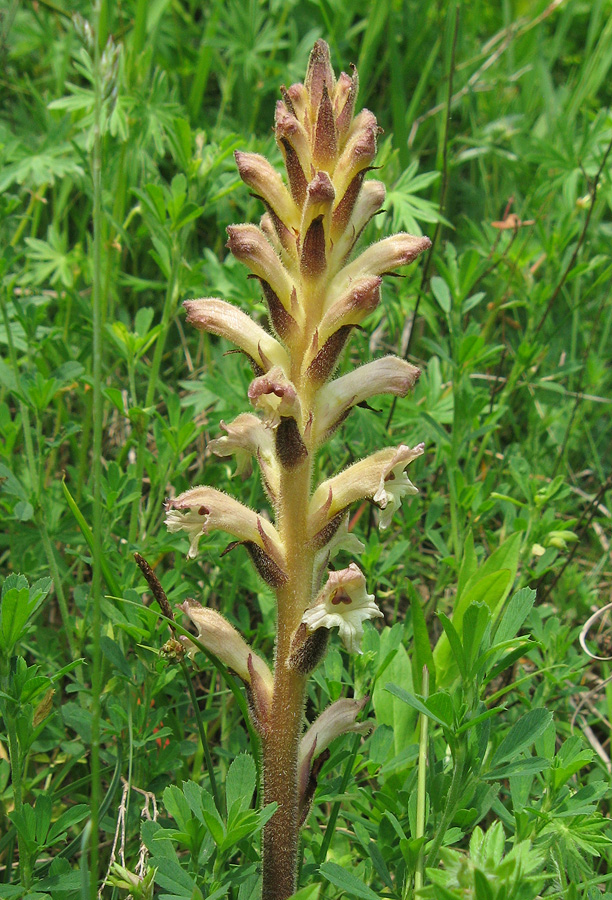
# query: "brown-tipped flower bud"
x,y
352,307
264,180
293,141
290,448
325,144
347,89
384,256
307,649
226,320
250,245
359,151
319,75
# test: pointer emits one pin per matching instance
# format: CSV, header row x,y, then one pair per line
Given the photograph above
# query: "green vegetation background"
x,y
497,134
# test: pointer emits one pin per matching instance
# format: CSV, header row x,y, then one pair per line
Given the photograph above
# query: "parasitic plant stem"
x,y
281,741
317,291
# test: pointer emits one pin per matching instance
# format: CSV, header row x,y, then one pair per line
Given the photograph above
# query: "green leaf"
x,y
531,765
114,654
240,783
518,608
70,817
14,611
390,710
476,621
10,485
415,703
311,892
454,644
177,806
422,655
441,292
490,590
522,735
346,881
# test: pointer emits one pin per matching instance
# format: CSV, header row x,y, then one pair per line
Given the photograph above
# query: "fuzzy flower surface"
x,y
344,604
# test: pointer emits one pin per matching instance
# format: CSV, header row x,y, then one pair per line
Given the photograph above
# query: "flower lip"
x,y
245,437
379,477
343,603
203,509
276,396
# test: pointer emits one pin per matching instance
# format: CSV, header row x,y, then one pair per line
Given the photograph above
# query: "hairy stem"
x,y
281,741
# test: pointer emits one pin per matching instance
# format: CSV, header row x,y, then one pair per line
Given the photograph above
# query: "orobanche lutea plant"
x,y
315,297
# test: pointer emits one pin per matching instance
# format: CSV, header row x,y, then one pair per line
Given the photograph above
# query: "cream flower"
x,y
388,375
344,604
226,320
337,719
204,509
395,484
219,637
379,477
276,396
245,437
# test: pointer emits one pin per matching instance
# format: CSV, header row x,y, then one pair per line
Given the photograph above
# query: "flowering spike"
x,y
315,295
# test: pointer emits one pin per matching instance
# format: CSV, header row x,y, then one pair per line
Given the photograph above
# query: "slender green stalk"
x,y
25,863
203,738
421,788
452,799
97,416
